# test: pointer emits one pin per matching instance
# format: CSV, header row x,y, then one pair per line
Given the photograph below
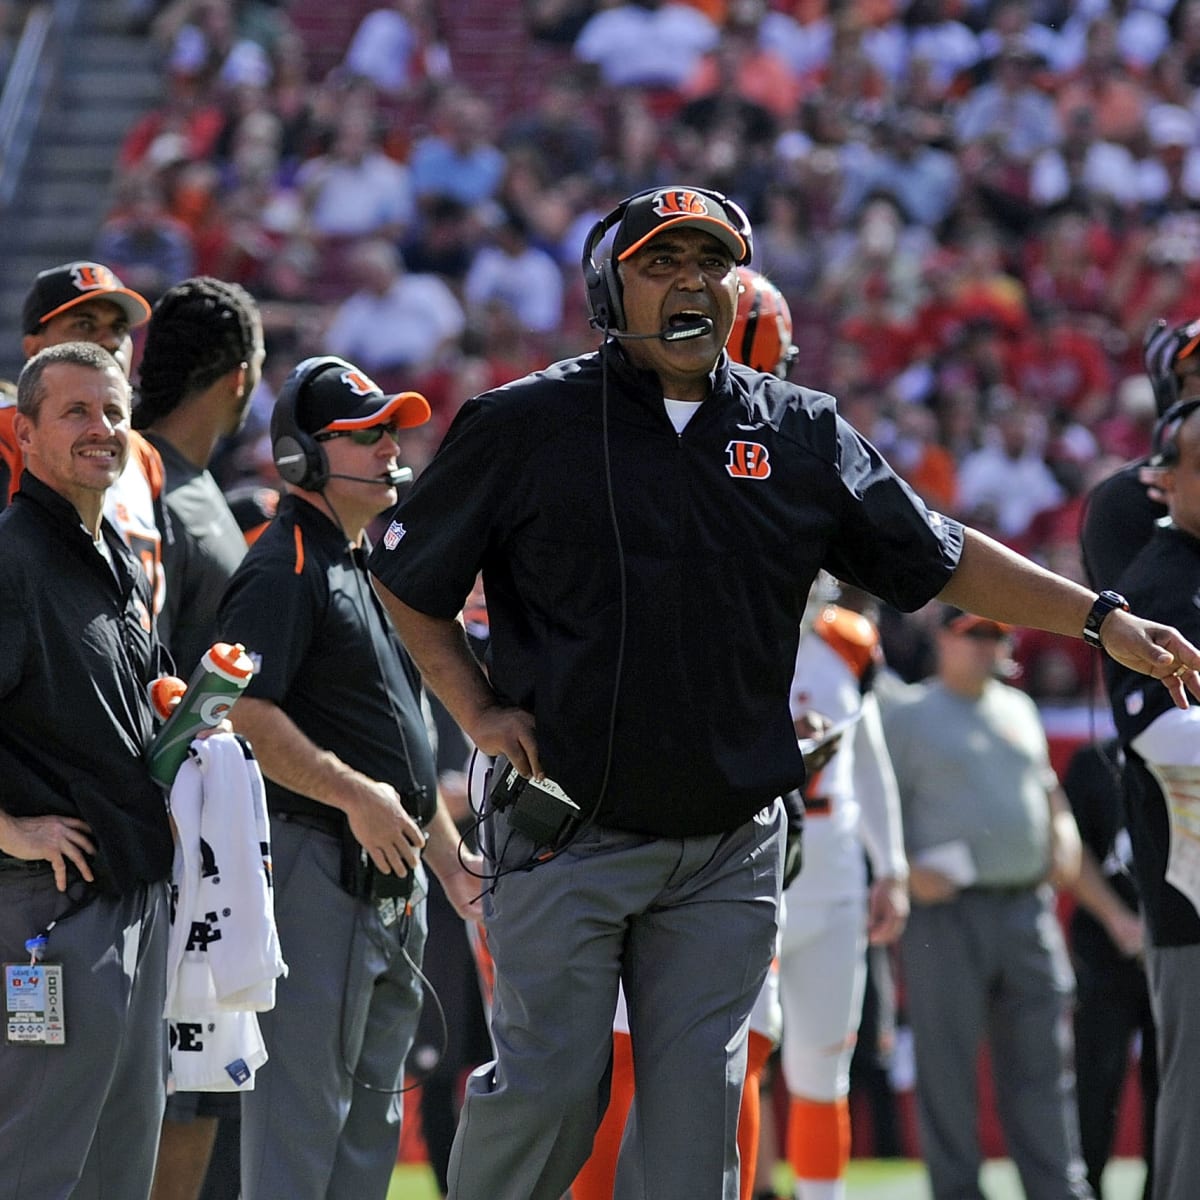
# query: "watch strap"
x,y
1104,604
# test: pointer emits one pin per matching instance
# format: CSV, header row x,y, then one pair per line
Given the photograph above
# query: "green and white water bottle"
x,y
218,680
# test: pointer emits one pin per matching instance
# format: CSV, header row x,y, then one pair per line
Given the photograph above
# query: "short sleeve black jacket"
x,y
79,654
674,595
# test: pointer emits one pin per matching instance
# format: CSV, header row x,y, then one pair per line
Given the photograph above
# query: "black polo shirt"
x,y
79,653
685,615
201,550
302,601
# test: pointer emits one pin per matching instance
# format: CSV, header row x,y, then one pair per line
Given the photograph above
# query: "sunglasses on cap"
x,y
370,436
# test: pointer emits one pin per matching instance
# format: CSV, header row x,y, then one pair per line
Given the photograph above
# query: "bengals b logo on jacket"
x,y
747,460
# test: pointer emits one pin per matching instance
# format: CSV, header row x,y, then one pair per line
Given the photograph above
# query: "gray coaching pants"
x,y
689,925
322,1122
994,965
1174,973
82,1120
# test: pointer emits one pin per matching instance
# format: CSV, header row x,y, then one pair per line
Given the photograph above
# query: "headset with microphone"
x,y
1164,446
605,308
299,457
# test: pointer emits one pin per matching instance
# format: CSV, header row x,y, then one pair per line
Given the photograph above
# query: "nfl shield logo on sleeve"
x,y
395,531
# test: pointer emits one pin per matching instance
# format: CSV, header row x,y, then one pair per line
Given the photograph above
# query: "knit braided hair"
x,y
200,329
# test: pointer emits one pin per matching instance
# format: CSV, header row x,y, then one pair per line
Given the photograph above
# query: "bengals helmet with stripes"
x,y
762,328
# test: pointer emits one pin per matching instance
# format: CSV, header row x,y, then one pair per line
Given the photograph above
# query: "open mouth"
x,y
685,325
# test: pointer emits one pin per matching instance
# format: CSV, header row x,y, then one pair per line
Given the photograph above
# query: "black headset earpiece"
x,y
299,457
1164,450
605,307
605,310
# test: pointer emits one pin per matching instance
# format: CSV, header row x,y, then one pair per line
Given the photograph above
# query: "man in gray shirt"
x,y
988,834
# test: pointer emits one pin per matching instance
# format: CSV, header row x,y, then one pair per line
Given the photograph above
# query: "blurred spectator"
x,y
1084,171
1126,433
557,22
1103,84
881,323
637,148
926,465
398,47
983,287
142,242
1168,171
924,179
1140,32
846,91
1004,484
561,129
1010,113
392,319
783,248
510,269
936,35
880,257
649,43
355,190
1012,22
187,124
740,66
1058,362
457,159
444,242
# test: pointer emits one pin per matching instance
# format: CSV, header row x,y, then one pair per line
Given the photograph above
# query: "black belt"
x,y
1003,889
23,866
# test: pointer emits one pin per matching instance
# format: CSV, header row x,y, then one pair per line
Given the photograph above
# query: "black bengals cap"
x,y
648,215
1164,347
58,289
339,396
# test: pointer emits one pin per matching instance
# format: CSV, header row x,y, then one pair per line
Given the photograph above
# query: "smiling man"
x,y
85,302
649,519
85,847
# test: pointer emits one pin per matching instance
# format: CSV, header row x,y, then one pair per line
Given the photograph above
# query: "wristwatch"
x,y
1105,603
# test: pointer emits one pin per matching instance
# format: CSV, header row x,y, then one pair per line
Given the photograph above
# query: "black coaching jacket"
x,y
79,653
645,587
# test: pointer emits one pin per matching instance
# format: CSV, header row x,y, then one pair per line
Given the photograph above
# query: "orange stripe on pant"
x,y
818,1137
597,1178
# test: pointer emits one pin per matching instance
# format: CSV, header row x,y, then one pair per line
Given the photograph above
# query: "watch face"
x,y
1103,605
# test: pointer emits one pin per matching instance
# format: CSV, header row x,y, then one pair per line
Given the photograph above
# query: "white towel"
x,y
223,955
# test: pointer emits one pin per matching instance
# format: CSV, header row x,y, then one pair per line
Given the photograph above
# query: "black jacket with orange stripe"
x,y
669,588
302,602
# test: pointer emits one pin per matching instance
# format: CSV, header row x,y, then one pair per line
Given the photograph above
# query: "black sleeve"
x,y
1117,523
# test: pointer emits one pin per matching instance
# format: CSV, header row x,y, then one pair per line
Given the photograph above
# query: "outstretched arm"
x,y
994,581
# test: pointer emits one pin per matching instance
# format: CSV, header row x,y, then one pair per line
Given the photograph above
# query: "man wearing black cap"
x,y
648,520
86,302
989,835
336,723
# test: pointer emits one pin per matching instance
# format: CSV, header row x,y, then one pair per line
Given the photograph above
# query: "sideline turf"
x,y
867,1180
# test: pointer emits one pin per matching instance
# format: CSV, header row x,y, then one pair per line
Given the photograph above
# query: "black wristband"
x,y
1105,603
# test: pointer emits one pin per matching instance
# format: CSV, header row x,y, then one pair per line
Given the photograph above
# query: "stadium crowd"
x,y
974,210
